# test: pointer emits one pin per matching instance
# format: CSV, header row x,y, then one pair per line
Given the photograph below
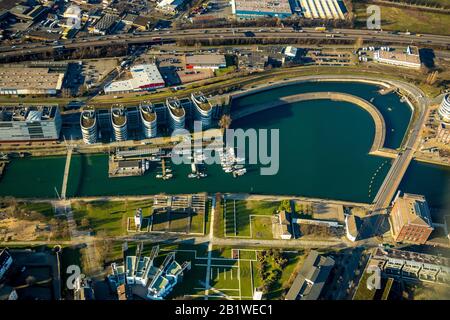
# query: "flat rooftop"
x,y
141,76
411,256
398,55
206,59
30,78
263,6
29,114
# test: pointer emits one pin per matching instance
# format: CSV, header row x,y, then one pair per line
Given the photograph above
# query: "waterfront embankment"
x,y
380,125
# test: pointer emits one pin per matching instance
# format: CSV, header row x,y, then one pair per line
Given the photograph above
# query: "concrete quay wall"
x,y
380,125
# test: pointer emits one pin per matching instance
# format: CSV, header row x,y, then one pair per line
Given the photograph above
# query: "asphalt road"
x,y
400,165
230,33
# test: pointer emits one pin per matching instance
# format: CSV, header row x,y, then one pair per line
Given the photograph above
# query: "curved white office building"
x,y
444,109
149,121
119,124
202,109
88,124
177,114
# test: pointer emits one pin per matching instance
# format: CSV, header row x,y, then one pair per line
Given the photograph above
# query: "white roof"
x,y
124,85
142,75
173,3
290,51
257,295
72,12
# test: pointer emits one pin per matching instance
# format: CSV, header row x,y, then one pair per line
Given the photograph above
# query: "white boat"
x,y
193,167
159,176
168,170
147,164
202,175
192,175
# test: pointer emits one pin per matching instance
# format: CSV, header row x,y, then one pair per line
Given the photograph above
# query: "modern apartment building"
x,y
140,277
149,121
88,124
177,114
202,109
119,124
444,109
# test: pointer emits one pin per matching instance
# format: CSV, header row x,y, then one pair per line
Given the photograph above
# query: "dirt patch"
x,y
22,230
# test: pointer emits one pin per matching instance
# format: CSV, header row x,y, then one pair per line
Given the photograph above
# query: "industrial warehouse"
x,y
143,77
24,80
310,9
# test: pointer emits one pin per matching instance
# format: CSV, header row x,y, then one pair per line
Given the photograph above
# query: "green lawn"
x,y
179,222
249,277
43,208
402,19
222,71
387,289
362,293
199,221
262,228
246,279
247,254
108,216
237,218
278,288
111,217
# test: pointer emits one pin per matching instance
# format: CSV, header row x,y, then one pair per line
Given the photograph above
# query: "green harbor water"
x,y
323,153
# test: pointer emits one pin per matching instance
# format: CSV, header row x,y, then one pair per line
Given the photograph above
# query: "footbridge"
x,y
66,173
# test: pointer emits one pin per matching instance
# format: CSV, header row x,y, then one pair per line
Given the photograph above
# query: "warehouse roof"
x,y
29,78
206,59
264,6
142,76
